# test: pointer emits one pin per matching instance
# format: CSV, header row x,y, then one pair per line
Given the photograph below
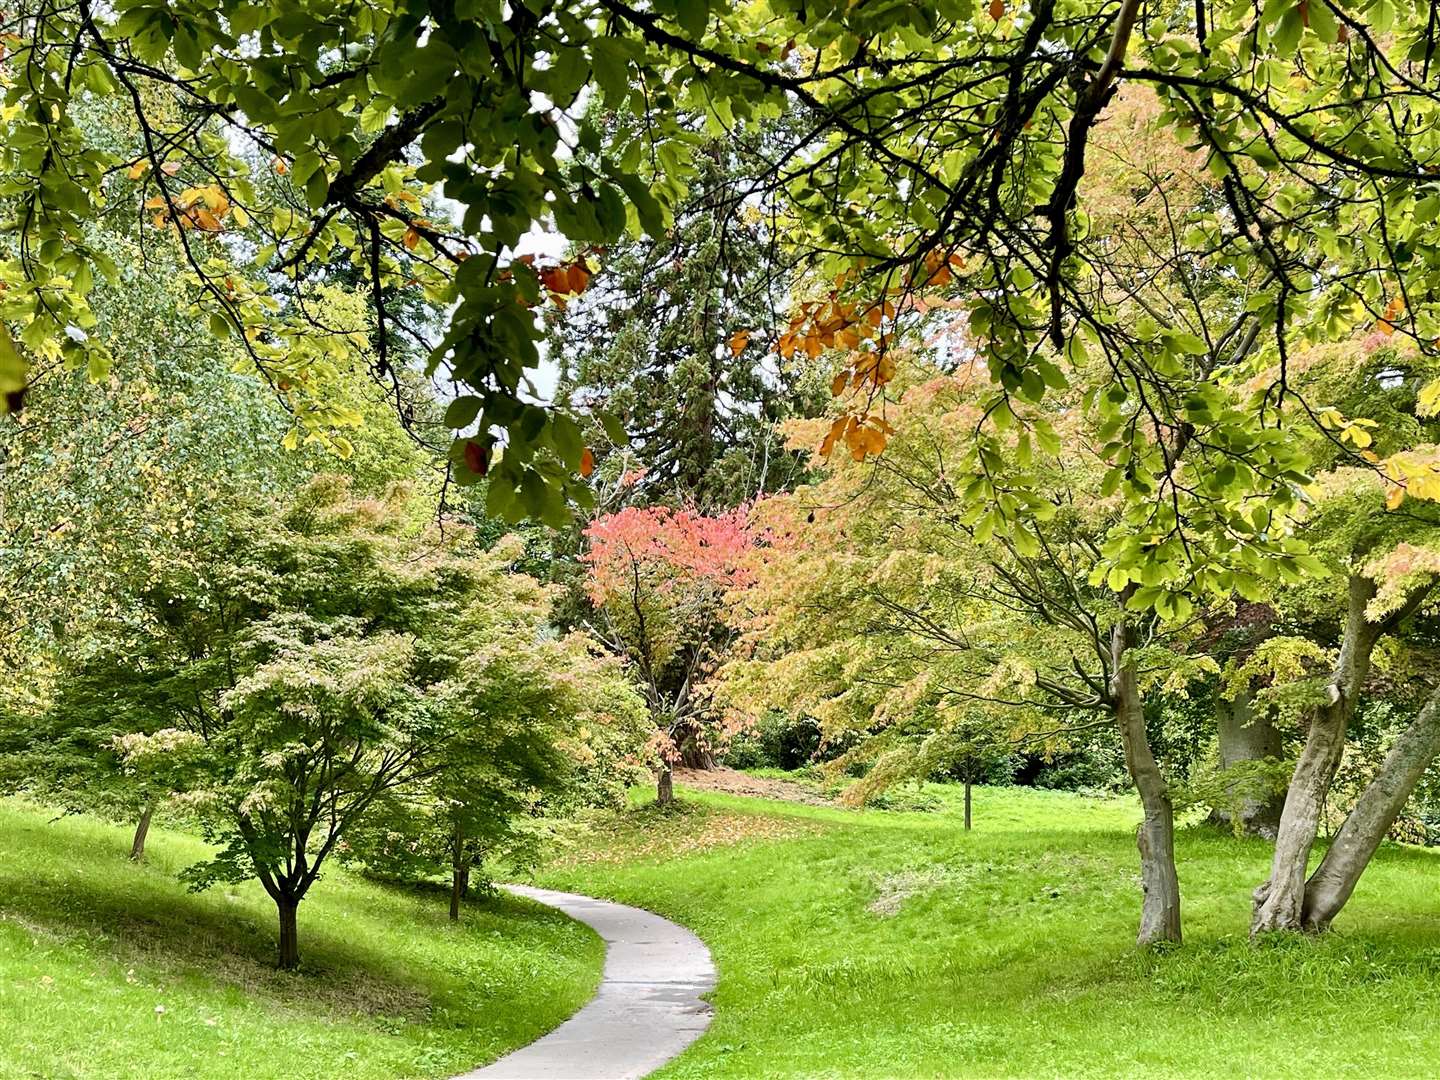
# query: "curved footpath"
x,y
648,1007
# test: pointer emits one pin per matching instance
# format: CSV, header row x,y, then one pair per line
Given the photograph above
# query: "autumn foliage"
x,y
659,578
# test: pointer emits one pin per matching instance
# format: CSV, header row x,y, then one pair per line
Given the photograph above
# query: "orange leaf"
x,y
997,9
837,386
137,170
578,278
587,462
412,239
1394,497
738,341
155,202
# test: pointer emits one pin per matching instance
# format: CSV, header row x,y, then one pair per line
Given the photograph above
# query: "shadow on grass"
x,y
77,887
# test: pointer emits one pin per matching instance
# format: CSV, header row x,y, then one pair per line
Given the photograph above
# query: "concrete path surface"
x,y
648,1007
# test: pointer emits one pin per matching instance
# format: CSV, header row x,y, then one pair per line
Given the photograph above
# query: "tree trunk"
x,y
1160,907
1368,822
465,882
459,872
288,907
665,789
1279,902
967,804
142,830
693,755
1246,737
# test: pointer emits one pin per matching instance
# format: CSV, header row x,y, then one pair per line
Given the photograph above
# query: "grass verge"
x,y
108,969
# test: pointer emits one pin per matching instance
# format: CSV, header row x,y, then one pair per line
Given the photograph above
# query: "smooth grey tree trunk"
x,y
1246,737
1160,906
665,787
1369,821
1279,901
142,830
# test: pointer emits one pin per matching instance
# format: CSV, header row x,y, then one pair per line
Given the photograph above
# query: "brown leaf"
x,y
587,462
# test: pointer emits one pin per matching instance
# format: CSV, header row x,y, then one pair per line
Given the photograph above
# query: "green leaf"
x,y
461,412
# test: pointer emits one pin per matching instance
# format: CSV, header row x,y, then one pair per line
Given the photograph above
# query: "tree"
x,y
658,579
936,142
314,658
539,711
1383,572
670,338
111,473
887,601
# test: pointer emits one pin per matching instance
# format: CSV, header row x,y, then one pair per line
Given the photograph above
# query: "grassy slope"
x,y
92,948
894,945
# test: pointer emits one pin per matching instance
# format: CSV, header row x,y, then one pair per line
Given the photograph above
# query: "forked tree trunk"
x,y
1245,737
1369,821
1279,902
288,907
665,787
142,830
1160,906
967,804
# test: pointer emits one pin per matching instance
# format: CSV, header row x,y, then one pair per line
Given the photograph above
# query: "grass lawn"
x,y
888,944
112,970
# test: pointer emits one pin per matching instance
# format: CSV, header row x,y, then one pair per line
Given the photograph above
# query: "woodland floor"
x,y
892,944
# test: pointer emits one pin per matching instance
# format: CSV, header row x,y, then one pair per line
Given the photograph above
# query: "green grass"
x,y
877,944
112,970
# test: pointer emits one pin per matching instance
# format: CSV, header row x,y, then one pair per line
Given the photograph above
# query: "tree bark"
x,y
1246,737
665,788
692,754
1369,821
142,830
967,804
288,907
1279,902
1160,907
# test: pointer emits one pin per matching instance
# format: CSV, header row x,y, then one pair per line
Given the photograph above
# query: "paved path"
x,y
648,1007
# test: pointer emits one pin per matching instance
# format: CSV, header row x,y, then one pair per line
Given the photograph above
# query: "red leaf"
x,y
477,459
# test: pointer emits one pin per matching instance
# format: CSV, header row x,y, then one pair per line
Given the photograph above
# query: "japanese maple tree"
x,y
658,579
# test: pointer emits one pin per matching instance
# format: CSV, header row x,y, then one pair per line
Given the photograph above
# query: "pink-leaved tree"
x,y
658,579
